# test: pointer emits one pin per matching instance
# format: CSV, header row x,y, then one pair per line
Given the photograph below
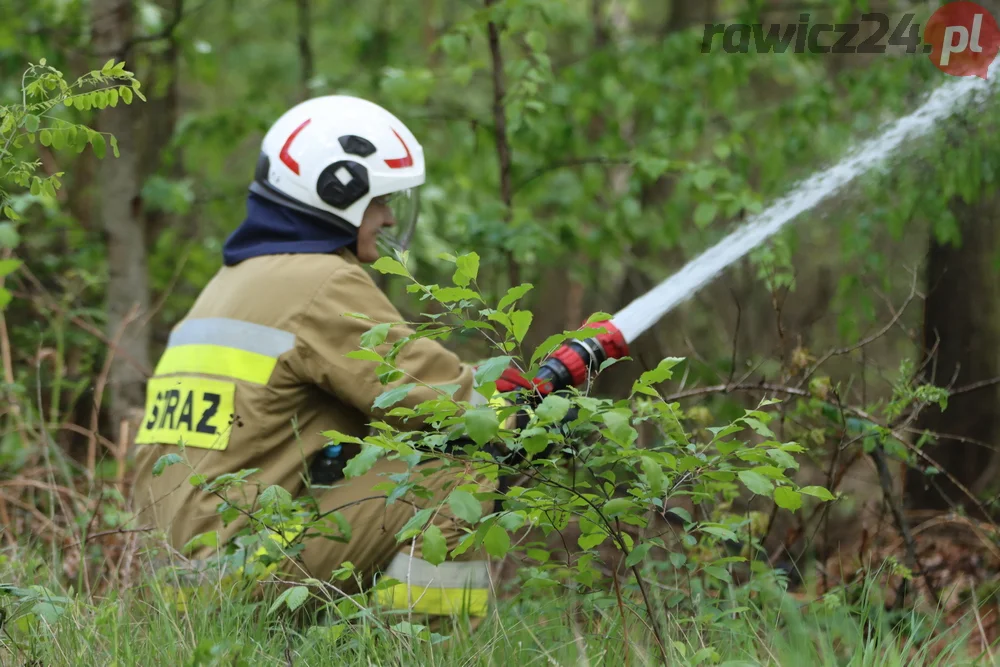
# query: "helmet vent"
x,y
343,176
355,145
342,183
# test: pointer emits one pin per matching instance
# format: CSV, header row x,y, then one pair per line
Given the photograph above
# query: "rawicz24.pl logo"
x,y
960,38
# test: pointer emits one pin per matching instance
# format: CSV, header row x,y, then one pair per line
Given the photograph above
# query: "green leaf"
x,y
638,554
817,491
552,409
376,335
209,539
293,598
164,461
719,573
9,266
465,506
756,482
617,506
654,475
365,355
513,294
100,146
389,398
126,94
591,540
31,123
415,524
58,139
661,373
114,145
705,213
787,498
497,541
362,462
682,513
703,179
759,427
719,531
390,266
434,547
274,495
677,559
547,346
520,322
618,424
490,370
482,424
453,294
468,269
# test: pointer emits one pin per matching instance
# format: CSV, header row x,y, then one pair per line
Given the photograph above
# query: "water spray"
x,y
570,364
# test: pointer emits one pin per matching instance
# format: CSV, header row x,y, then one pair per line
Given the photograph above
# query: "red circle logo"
x,y
964,39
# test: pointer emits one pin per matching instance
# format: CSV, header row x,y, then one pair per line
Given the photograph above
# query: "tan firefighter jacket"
x,y
257,371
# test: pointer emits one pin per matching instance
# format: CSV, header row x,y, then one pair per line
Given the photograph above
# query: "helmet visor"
x,y
405,207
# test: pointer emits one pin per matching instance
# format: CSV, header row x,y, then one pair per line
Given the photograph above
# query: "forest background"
x,y
588,148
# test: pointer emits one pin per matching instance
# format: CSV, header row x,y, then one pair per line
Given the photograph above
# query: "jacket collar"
x,y
272,229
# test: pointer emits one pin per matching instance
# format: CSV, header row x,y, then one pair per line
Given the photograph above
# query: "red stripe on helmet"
x,y
400,162
284,156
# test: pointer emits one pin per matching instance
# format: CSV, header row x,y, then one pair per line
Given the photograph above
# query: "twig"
x,y
736,339
979,622
102,381
571,162
866,341
51,303
885,479
168,290
116,531
502,140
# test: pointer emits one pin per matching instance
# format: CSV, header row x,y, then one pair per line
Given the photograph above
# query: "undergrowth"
x,y
46,623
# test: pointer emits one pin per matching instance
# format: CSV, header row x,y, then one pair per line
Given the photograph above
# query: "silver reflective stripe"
x,y
246,336
418,572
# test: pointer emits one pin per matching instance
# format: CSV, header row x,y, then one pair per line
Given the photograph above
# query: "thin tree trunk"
x,y
118,185
306,67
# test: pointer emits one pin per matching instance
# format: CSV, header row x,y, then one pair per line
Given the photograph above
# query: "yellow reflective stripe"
x,y
435,601
217,360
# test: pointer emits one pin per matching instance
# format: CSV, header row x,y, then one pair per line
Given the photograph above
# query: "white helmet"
x,y
330,156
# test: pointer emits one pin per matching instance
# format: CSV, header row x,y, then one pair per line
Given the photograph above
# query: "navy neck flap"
x,y
273,229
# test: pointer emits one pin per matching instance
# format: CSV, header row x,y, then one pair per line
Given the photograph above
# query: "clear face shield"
x,y
405,207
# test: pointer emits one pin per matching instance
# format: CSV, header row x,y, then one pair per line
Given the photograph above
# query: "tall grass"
x,y
751,625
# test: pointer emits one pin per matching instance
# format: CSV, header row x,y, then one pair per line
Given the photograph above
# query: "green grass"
x,y
751,625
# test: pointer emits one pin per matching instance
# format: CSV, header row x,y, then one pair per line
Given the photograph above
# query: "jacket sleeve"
x,y
326,335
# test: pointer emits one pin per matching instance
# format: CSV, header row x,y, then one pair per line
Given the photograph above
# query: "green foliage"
x,y
46,624
41,115
583,460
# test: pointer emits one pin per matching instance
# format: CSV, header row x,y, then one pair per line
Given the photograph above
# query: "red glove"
x,y
512,380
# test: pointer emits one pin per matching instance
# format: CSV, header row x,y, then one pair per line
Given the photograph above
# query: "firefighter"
x,y
257,369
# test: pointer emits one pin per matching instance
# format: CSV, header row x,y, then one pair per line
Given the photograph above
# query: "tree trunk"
x,y
118,185
306,67
962,321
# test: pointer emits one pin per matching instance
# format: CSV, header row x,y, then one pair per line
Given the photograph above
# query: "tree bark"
x,y
118,187
962,322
